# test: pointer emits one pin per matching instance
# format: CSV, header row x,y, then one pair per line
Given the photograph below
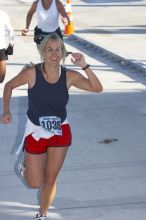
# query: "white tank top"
x,y
48,20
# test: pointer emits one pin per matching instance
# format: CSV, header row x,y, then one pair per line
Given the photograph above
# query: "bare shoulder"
x,y
29,74
59,4
26,76
34,5
28,71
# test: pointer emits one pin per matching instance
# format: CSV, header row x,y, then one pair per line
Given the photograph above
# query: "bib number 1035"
x,y
51,123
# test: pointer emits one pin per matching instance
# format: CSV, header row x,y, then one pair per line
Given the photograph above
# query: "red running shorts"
x,y
33,146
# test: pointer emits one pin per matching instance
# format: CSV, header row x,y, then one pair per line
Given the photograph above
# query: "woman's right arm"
x,y
24,77
29,17
64,16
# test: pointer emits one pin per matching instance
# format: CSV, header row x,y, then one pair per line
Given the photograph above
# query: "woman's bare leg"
x,y
35,169
42,170
54,161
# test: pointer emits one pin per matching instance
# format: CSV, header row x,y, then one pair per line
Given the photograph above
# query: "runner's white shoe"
x,y
40,217
21,167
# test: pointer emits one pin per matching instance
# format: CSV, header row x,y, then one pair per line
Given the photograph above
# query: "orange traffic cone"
x,y
69,29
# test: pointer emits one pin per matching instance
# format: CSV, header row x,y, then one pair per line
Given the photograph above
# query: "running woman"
x,y
48,135
47,13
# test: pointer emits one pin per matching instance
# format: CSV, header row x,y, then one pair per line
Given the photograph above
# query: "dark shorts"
x,y
39,35
3,55
33,146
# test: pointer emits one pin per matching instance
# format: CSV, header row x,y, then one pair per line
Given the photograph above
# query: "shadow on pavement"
x,y
115,30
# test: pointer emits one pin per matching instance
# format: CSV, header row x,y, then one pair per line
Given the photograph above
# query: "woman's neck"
x,y
51,74
46,4
50,70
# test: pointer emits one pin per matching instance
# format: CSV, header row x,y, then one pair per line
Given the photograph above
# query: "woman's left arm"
x,y
64,16
90,83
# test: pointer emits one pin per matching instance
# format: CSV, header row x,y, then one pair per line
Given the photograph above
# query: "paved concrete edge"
x,y
112,57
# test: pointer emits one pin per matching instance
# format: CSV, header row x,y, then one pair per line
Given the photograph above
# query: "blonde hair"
x,y
55,37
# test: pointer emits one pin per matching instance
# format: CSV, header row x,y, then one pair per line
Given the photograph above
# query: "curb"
x,y
108,55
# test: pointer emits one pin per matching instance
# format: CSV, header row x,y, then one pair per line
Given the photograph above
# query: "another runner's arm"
x,y
29,17
90,83
8,27
64,16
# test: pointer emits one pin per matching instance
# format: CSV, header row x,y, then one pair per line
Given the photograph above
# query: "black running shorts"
x,y
3,55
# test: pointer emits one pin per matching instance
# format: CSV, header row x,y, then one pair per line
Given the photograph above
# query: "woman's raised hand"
x,y
78,59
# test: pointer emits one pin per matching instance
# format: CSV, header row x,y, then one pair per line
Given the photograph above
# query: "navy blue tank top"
x,y
47,99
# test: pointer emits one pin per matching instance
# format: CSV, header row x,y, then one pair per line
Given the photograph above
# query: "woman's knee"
x,y
33,182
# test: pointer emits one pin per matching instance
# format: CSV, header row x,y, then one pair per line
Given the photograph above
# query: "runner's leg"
x,y
54,161
35,169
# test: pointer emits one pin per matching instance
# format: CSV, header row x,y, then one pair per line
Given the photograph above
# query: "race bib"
x,y
52,124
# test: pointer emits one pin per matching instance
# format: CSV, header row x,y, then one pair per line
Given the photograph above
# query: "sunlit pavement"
x,y
104,176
